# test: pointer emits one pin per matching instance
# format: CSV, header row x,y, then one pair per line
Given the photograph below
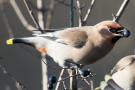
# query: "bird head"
x,y
115,29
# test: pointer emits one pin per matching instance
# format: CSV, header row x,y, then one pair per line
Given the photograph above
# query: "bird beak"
x,y
126,33
122,32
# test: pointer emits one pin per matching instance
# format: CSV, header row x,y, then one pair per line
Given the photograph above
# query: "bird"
x,y
123,72
108,84
71,47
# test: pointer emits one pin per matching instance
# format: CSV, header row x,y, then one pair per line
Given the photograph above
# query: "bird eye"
x,y
111,29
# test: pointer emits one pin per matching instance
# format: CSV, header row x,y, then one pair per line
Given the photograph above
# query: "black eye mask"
x,y
122,32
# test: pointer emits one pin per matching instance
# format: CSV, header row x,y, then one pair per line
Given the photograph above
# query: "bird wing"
x,y
75,37
121,65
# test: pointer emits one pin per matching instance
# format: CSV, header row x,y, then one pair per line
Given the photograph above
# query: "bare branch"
x,y
66,4
50,14
83,77
77,3
41,13
41,20
121,10
91,84
64,85
18,86
5,72
11,35
57,86
33,16
71,14
73,81
20,16
33,5
88,12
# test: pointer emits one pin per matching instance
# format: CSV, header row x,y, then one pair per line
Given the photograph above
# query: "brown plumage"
x,y
78,45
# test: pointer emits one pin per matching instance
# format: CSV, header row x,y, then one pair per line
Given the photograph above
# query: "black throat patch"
x,y
115,39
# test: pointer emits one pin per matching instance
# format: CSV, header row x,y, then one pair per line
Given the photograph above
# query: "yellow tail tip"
x,y
9,41
98,88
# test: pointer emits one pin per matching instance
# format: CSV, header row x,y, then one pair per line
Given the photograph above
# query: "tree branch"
x,y
88,13
33,16
83,22
9,30
60,1
20,16
50,14
77,4
71,14
5,72
121,10
60,76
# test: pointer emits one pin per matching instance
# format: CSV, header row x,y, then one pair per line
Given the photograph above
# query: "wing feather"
x,y
75,37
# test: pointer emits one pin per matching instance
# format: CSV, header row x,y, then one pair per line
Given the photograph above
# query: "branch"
x,y
64,85
50,14
121,10
91,84
4,16
57,86
33,16
73,79
71,14
88,12
41,13
41,20
69,5
77,3
5,72
33,5
20,16
47,8
83,77
83,22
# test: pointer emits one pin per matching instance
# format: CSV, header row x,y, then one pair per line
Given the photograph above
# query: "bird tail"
x,y
9,41
40,41
16,40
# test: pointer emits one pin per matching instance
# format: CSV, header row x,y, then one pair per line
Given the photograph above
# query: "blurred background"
x,y
24,63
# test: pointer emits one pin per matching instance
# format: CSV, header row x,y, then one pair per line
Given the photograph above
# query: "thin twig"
x,y
77,4
83,77
5,72
91,85
20,16
68,77
121,10
18,86
66,4
73,79
41,21
71,14
47,8
64,85
88,12
33,5
9,30
33,16
41,13
60,76
50,14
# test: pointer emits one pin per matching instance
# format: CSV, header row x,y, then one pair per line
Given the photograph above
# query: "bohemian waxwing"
x,y
108,84
79,45
124,73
